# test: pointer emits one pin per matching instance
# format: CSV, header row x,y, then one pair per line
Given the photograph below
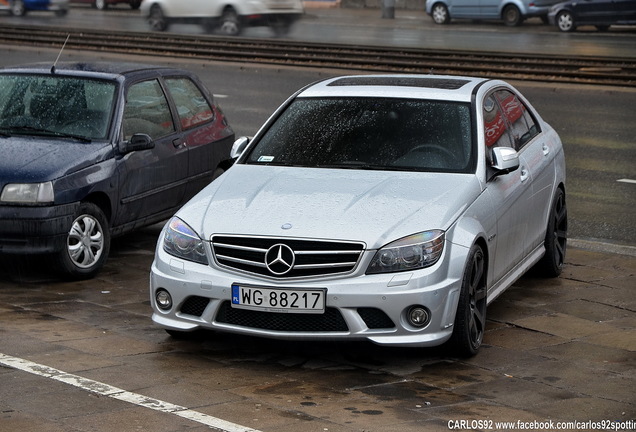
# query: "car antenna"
x,y
59,54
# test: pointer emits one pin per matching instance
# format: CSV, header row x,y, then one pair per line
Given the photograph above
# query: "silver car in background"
x,y
511,12
387,208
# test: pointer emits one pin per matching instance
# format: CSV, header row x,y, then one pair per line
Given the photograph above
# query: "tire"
x,y
470,319
440,14
101,4
135,4
551,265
565,21
512,16
602,28
280,27
17,8
61,12
87,243
229,23
156,19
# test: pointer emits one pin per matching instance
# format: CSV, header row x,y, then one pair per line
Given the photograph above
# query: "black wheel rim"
x,y
559,235
477,299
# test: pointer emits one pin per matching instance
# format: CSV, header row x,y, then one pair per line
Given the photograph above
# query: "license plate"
x,y
278,300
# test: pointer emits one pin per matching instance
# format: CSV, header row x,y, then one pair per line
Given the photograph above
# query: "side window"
x,y
191,105
522,126
495,126
147,111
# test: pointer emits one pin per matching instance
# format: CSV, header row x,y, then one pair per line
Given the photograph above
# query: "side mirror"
x,y
504,160
239,146
136,142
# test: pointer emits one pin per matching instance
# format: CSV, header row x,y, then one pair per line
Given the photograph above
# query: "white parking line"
x,y
626,181
120,394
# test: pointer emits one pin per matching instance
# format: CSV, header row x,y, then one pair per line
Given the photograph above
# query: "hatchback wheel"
x,y
552,262
440,14
134,4
101,4
87,243
512,16
17,8
470,320
156,19
565,22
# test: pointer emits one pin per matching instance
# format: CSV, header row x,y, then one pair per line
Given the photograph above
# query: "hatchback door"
x,y
464,8
152,181
489,8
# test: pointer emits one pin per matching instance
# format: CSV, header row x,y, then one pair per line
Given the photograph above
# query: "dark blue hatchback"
x,y
21,7
90,151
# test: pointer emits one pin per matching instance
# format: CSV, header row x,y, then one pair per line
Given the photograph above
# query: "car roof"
x,y
105,69
441,87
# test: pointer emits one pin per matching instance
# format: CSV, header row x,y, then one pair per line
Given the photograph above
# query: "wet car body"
x,y
385,208
602,14
89,152
229,17
21,7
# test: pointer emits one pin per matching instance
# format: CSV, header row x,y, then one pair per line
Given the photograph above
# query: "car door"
x,y
594,11
205,133
536,154
625,11
464,8
511,192
152,182
489,8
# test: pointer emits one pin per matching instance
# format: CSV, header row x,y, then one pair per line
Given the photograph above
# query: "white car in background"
x,y
228,17
388,208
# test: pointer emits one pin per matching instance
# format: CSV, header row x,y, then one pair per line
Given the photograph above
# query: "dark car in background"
x,y
103,4
21,7
90,151
602,14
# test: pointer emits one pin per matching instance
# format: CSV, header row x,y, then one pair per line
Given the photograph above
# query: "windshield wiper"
x,y
50,132
354,165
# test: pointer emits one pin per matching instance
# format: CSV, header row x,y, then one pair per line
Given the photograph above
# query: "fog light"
x,y
163,299
418,316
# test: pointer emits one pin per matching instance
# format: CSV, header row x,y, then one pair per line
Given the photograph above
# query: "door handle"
x,y
179,142
524,175
546,150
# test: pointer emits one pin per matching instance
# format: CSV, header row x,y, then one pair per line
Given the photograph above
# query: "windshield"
x,y
55,105
369,133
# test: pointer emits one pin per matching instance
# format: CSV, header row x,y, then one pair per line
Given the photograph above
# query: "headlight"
x,y
409,253
28,193
183,242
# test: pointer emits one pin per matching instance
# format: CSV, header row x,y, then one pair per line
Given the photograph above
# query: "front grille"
x,y
194,305
310,257
375,318
330,321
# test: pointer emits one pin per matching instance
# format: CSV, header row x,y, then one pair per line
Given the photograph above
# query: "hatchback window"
x,y
147,111
56,105
369,133
191,105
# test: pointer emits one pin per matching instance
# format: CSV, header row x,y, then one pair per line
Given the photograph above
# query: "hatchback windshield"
x,y
369,133
55,105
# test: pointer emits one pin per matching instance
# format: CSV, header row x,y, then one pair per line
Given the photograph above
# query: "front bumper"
x,y
358,306
32,230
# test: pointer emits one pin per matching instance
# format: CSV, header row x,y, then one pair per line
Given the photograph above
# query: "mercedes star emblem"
x,y
280,259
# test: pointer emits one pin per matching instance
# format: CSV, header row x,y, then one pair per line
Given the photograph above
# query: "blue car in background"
x,y
21,7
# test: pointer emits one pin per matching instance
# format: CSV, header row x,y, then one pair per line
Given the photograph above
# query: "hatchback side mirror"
x,y
239,146
504,160
136,142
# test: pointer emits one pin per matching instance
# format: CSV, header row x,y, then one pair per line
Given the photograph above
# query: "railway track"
x,y
591,70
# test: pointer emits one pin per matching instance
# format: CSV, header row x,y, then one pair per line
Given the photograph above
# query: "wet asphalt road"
x,y
555,350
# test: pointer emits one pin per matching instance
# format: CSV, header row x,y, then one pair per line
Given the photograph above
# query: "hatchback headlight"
x,y
28,193
409,253
183,242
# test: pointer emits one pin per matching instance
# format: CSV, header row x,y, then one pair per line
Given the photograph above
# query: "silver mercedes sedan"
x,y
387,208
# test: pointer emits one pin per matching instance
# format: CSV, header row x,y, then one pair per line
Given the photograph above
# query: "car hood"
x,y
38,159
375,207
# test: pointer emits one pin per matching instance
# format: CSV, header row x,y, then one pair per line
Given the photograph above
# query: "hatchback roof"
x,y
443,87
112,68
